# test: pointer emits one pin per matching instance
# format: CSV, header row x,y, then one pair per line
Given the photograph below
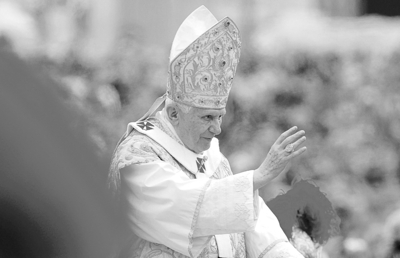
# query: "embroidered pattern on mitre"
x,y
202,74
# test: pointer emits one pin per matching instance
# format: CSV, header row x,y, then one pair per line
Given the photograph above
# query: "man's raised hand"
x,y
279,157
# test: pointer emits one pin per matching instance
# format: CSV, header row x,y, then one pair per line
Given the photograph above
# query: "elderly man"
x,y
180,195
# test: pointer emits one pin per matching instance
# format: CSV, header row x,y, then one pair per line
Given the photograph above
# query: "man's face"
x,y
197,128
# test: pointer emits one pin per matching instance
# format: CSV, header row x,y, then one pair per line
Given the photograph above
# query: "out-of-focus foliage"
x,y
338,79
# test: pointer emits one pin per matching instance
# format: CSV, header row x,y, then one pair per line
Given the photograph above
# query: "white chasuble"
x,y
182,204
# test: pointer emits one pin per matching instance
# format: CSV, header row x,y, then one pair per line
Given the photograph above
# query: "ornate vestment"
x,y
183,204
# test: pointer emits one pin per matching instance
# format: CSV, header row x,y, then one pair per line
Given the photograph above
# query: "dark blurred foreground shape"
x,y
52,196
382,7
305,209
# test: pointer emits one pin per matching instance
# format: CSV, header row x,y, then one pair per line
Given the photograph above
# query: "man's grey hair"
x,y
182,107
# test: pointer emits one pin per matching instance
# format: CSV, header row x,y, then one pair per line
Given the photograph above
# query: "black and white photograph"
x,y
199,128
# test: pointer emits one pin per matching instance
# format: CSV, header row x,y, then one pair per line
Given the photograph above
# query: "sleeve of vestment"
x,y
167,207
229,206
267,238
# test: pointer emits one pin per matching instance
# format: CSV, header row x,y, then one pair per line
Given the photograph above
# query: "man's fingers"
x,y
298,152
295,145
285,134
292,138
299,141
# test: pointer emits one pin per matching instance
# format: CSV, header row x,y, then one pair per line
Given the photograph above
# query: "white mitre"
x,y
203,61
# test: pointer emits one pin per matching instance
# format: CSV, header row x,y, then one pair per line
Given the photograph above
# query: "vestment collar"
x,y
205,163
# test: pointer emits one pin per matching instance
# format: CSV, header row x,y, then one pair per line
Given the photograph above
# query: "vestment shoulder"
x,y
138,148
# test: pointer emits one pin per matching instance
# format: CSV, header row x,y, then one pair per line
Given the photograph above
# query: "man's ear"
x,y
173,115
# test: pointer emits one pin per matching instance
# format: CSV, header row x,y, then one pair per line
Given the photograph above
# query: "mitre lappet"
x,y
203,61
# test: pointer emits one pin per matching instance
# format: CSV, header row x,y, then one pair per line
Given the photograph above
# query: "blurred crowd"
x,y
335,78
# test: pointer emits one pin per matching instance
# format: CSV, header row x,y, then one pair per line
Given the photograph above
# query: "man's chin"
x,y
206,145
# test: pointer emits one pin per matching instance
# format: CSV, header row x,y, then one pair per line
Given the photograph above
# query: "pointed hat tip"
x,y
202,7
198,22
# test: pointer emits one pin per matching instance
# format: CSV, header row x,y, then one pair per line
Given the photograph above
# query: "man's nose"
x,y
215,127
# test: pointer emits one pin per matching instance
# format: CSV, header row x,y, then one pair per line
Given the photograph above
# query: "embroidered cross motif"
x,y
201,168
145,125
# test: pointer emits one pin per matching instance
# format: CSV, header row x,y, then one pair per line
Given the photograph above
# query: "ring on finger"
x,y
289,148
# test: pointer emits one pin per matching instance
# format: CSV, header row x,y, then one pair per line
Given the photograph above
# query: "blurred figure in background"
x,y
179,193
52,197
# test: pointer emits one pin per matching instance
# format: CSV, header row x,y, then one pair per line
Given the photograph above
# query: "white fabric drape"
x,y
167,207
